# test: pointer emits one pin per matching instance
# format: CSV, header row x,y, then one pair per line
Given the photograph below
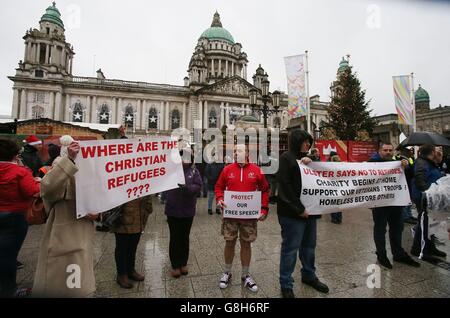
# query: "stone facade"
x,y
215,93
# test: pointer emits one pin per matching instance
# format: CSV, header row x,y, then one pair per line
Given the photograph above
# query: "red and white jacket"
x,y
243,179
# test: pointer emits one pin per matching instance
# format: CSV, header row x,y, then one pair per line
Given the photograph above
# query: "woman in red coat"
x,y
17,188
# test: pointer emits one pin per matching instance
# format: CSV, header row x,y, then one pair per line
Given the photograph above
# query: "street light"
x,y
266,98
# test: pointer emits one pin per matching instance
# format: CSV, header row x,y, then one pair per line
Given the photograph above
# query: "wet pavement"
x,y
343,254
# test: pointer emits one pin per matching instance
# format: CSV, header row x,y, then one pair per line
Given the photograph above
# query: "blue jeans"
x,y
406,213
13,229
299,238
211,196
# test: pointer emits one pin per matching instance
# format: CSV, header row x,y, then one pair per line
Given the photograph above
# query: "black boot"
x,y
317,285
384,261
210,212
406,259
287,293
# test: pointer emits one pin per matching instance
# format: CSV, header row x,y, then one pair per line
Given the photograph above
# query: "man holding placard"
x,y
242,192
298,228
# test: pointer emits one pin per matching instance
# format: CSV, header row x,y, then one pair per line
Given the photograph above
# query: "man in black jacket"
x,y
30,155
391,215
212,173
298,229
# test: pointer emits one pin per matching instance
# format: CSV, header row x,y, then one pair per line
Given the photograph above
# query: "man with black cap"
x,y
298,228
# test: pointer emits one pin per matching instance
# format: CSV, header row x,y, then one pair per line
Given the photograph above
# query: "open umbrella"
x,y
424,138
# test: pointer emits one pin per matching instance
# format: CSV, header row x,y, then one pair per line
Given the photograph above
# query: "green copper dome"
x,y
217,32
422,96
53,15
343,65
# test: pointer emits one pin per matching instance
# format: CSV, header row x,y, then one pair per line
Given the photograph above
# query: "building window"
x,y
129,116
48,30
42,52
277,122
38,112
213,118
153,118
39,97
39,73
78,113
104,114
176,119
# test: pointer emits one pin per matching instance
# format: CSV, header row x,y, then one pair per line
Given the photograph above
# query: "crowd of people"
x,y
67,240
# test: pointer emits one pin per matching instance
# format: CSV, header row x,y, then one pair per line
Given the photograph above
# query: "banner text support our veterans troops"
x,y
334,187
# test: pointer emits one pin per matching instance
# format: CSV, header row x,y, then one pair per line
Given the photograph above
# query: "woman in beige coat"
x,y
65,265
128,234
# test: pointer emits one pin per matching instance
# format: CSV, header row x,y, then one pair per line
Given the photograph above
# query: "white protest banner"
x,y
242,205
336,186
113,172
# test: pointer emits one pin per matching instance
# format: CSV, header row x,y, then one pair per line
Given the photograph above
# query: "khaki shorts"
x,y
248,230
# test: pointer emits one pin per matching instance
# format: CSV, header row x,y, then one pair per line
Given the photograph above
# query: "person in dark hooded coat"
x,y
298,228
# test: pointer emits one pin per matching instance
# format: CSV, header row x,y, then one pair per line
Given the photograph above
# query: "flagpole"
x,y
413,102
308,102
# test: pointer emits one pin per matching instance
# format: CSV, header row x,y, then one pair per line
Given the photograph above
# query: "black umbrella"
x,y
424,138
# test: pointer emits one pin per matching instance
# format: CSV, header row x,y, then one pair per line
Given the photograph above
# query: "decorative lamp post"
x,y
266,99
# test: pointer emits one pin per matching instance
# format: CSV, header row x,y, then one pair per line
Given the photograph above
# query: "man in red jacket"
x,y
241,176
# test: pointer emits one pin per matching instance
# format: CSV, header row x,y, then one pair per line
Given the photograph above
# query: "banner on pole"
x,y
114,172
334,187
296,78
242,205
404,99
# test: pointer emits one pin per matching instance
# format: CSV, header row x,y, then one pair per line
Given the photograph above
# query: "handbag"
x,y
36,214
111,218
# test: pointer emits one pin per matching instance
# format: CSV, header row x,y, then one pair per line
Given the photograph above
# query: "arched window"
x,y
213,122
38,112
77,113
129,116
153,119
104,114
176,119
277,122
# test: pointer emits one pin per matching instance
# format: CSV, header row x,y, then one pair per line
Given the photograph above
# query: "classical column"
x,y
67,109
119,112
226,68
143,115
47,54
220,68
161,116
58,101
222,114
200,113
232,68
167,115
227,114
212,68
94,115
51,112
27,51
15,106
185,116
205,115
71,64
23,104
137,119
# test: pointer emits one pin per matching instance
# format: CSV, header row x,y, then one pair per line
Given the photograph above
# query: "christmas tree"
x,y
348,111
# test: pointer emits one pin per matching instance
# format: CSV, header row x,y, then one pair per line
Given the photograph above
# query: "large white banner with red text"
x,y
336,186
113,172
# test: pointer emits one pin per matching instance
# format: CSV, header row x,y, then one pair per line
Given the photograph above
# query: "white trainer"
x,y
225,280
250,283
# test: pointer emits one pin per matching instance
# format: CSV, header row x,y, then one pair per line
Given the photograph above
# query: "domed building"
x,y
422,100
215,92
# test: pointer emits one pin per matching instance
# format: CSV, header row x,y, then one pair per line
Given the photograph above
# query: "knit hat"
x,y
32,141
65,142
